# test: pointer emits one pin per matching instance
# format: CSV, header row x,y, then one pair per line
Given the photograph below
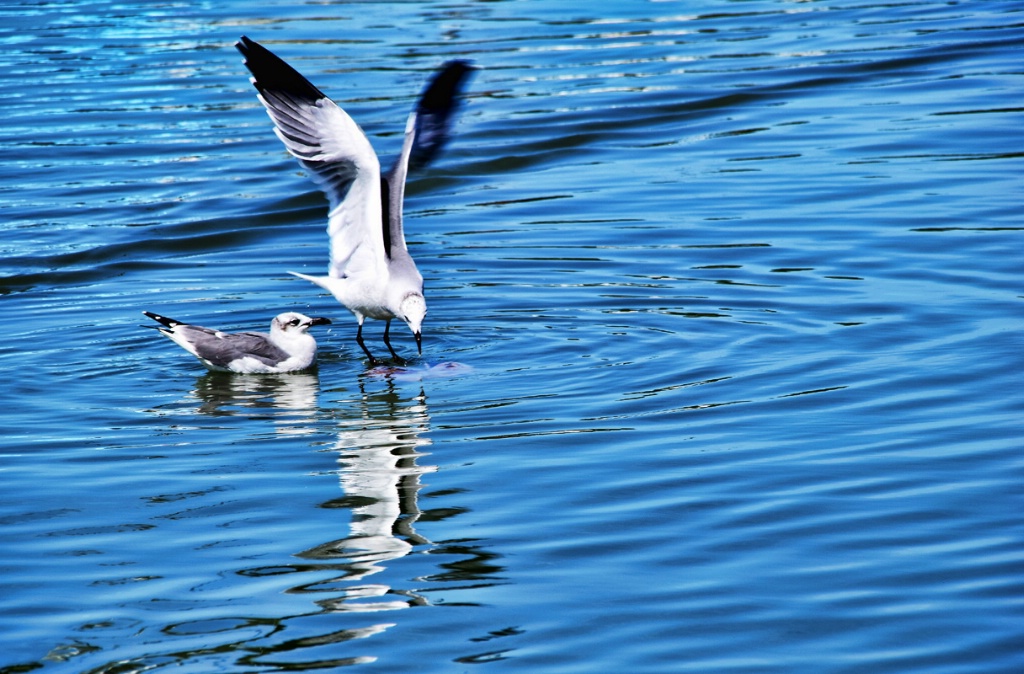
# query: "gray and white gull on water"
x,y
287,348
370,272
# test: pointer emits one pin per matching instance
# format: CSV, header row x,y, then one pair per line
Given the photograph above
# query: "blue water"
x,y
722,370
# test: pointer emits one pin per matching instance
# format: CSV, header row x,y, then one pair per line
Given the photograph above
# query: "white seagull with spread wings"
x,y
371,271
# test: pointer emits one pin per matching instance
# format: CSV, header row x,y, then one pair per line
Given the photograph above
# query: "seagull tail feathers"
x,y
325,282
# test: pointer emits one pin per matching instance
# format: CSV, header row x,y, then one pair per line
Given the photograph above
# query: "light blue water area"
x,y
721,373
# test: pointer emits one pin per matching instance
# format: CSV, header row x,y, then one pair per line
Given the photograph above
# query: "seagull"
x,y
288,347
370,272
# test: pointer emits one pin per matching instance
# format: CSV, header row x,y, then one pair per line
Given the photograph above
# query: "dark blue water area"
x,y
722,370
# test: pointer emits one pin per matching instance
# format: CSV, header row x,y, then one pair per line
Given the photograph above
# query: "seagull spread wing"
x,y
393,190
426,132
336,152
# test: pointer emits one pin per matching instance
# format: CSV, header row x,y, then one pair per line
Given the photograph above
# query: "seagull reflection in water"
x,y
382,431
378,448
292,400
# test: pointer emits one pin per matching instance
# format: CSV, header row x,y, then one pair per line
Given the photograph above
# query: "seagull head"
x,y
412,310
293,323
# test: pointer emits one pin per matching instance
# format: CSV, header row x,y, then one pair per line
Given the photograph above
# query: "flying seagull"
x,y
288,347
370,271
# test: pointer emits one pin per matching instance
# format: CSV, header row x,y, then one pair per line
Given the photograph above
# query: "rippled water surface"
x,y
722,371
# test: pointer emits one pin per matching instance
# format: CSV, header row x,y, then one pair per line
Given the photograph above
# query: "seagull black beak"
x,y
419,342
319,321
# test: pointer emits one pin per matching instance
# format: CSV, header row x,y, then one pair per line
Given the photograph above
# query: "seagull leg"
x,y
387,342
359,340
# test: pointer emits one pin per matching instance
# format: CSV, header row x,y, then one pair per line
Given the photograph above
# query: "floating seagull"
x,y
371,271
288,347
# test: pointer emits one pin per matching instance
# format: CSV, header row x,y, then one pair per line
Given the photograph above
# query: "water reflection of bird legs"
x,y
378,446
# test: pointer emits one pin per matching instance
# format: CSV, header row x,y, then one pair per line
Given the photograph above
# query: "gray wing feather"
x,y
221,348
394,235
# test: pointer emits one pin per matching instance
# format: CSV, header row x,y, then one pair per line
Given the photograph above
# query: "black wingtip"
x,y
446,84
165,323
436,110
271,73
245,46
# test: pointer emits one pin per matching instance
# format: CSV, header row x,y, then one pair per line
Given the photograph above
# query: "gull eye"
x,y
293,322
